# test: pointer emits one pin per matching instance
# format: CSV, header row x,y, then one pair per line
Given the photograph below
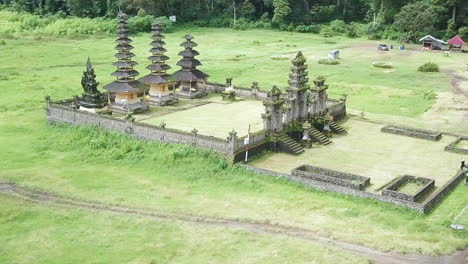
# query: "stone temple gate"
x,y
301,113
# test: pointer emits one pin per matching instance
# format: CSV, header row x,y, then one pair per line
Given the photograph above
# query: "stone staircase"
x,y
319,136
337,128
289,145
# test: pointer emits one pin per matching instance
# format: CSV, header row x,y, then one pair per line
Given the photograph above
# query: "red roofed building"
x,y
456,43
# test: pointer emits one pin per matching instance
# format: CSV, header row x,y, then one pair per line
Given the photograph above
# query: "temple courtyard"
x,y
367,151
210,116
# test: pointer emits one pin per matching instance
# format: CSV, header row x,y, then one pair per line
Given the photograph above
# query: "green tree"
x,y
281,10
247,9
415,20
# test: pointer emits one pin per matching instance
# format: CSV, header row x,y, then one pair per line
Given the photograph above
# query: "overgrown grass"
x,y
92,164
32,233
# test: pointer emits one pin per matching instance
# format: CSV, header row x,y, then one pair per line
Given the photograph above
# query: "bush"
x,y
329,62
140,23
2,43
382,65
429,67
222,21
338,26
141,12
308,29
242,24
429,95
463,32
326,32
168,25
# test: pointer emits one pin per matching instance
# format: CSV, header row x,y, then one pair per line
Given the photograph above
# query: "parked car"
x,y
383,47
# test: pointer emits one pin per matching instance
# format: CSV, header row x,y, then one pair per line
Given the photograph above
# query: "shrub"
x,y
429,95
168,25
338,26
429,67
329,62
140,23
2,43
326,32
221,21
242,24
463,32
382,65
308,29
141,12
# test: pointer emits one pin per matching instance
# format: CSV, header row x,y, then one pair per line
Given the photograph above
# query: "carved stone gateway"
x,y
274,111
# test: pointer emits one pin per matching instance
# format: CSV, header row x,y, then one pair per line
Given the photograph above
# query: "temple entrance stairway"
x,y
319,136
289,145
337,128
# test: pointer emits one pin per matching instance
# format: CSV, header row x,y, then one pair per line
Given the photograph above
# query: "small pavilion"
x,y
160,82
456,43
126,95
431,43
192,81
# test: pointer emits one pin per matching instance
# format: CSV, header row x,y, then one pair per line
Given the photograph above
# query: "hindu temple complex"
x,y
175,108
292,120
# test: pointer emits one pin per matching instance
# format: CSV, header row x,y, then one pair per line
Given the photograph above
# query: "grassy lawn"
x,y
28,231
366,151
97,165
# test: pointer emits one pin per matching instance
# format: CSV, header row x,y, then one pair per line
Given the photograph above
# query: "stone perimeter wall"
x,y
331,176
412,132
423,207
452,147
392,189
336,108
62,113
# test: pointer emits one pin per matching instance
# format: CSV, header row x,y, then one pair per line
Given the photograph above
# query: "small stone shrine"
x,y
92,100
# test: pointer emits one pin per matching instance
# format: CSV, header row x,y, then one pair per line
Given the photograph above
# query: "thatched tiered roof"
x,y
125,74
189,72
158,66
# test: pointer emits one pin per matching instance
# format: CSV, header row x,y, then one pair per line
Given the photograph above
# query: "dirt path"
x,y
451,106
375,256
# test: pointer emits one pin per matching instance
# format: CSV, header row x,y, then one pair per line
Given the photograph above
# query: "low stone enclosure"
x,y
454,146
427,202
393,190
412,132
331,176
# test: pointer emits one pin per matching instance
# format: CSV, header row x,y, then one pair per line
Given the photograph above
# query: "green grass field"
x,y
91,164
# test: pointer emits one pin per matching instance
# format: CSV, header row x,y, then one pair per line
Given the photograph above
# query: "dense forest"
x,y
405,20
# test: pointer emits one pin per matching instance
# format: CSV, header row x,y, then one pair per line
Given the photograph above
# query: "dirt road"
x,y
379,257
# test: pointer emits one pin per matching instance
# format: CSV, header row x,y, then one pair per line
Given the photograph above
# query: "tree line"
x,y
406,19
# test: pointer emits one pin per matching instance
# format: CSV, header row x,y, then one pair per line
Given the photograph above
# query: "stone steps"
x,y
319,136
291,145
337,128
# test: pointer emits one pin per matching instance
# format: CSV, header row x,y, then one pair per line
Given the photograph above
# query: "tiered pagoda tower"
x,y
297,91
92,99
192,81
160,82
127,95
